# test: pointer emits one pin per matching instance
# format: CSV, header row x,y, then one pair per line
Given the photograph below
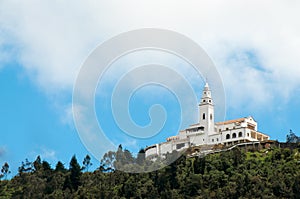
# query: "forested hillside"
x,y
269,173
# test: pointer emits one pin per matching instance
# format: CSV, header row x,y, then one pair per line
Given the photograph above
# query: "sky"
x,y
254,45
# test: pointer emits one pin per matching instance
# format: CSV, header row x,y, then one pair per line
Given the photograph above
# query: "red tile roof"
x,y
231,121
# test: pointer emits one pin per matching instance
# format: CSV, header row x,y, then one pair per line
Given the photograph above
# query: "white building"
x,y
207,132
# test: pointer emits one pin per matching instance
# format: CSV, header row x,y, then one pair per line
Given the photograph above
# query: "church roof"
x,y
231,121
194,124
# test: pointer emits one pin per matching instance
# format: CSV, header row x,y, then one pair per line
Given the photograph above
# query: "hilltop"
x,y
237,173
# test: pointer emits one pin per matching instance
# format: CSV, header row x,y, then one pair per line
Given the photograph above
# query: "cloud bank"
x,y
254,44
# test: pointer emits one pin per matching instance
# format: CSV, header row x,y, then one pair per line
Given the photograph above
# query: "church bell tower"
x,y
206,111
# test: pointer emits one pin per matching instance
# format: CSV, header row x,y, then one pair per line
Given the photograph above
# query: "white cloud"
x,y
52,39
45,153
130,144
2,151
65,110
48,154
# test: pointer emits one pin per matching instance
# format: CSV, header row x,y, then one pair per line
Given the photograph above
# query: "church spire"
x,y
206,95
206,111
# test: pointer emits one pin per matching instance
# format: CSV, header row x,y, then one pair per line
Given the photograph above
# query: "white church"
x,y
207,132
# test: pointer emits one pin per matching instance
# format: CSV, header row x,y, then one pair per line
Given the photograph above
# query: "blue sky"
x,y
43,45
30,123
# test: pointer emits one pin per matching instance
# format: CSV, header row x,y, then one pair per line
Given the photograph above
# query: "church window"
x,y
179,146
205,93
240,134
210,116
227,136
227,129
209,100
234,135
212,140
203,100
217,139
203,116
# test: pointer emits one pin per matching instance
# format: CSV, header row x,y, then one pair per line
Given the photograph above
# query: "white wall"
x,y
151,151
165,147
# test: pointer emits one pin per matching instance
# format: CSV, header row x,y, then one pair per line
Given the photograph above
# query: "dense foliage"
x,y
272,173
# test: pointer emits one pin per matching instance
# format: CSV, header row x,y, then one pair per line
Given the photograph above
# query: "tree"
x,y
107,162
140,159
5,170
192,185
119,154
127,157
292,138
37,164
86,163
60,167
75,173
26,167
46,166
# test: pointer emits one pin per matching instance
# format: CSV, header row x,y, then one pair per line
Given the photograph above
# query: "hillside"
x,y
268,173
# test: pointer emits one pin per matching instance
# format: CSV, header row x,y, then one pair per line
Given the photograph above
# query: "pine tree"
x,y
75,173
60,167
141,157
37,164
46,166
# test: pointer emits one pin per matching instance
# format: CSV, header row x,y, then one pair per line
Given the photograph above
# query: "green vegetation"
x,y
269,173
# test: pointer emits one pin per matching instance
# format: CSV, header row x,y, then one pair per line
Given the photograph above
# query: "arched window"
x,y
234,135
240,134
227,136
203,116
210,116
